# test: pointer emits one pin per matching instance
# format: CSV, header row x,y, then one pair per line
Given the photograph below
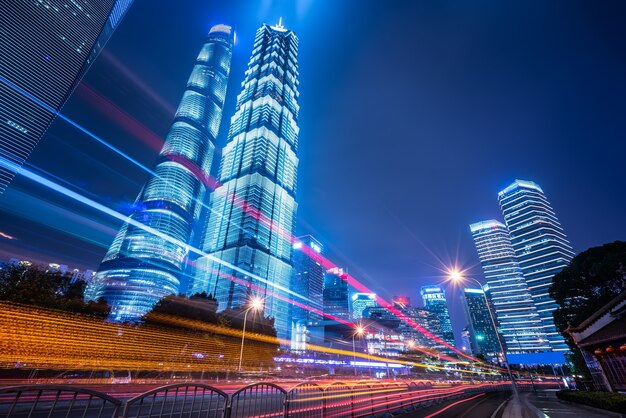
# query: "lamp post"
x,y
359,331
256,304
457,276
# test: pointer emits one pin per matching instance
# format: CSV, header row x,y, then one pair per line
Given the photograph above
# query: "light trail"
x,y
166,106
121,118
453,404
104,209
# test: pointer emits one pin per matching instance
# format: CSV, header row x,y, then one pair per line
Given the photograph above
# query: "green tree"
x,y
198,307
34,285
591,280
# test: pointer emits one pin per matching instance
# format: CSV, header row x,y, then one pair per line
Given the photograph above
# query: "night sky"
x,y
414,114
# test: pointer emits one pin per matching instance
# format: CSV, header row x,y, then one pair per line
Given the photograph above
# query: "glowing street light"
x,y
359,330
255,304
458,277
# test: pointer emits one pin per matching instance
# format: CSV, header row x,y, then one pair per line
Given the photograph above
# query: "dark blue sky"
x,y
414,114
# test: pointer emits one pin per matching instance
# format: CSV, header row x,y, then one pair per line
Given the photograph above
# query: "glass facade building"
x,y
482,335
142,267
360,301
307,281
336,294
253,211
434,298
519,321
46,47
540,245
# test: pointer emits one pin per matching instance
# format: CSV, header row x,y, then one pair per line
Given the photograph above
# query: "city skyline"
x,y
366,263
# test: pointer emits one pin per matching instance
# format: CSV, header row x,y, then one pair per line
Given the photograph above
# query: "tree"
x,y
198,307
591,280
34,285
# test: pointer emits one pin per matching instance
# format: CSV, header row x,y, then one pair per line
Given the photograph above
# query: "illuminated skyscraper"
x,y
361,301
45,49
518,319
482,335
307,281
142,267
336,294
540,245
253,211
434,298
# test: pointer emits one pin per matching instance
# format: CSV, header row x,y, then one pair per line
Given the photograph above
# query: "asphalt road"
x,y
476,406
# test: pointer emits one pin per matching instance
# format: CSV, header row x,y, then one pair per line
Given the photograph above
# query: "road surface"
x,y
476,406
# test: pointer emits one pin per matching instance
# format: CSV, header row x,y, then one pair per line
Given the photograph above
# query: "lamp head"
x,y
455,275
256,303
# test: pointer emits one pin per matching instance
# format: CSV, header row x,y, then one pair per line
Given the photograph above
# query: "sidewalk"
x,y
545,404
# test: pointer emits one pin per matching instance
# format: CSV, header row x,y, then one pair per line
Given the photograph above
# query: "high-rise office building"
x,y
336,294
142,267
466,345
434,298
45,49
540,245
482,335
360,301
520,324
307,281
253,210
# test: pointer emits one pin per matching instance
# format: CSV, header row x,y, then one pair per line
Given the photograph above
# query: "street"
x,y
476,406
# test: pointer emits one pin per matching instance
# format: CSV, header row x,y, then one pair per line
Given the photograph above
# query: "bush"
x,y
610,401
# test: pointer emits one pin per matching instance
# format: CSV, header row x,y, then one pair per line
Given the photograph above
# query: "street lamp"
x,y
457,277
358,331
256,304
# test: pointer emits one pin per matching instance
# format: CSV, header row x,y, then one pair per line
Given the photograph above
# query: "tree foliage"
x,y
591,280
34,285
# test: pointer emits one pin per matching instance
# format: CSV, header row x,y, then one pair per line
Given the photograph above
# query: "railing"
x,y
263,399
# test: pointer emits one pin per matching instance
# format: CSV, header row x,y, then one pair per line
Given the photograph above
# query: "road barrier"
x,y
356,399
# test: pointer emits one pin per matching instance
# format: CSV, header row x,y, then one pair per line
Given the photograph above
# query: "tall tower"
x,y
307,279
252,217
434,298
518,319
482,335
336,294
141,267
45,49
540,244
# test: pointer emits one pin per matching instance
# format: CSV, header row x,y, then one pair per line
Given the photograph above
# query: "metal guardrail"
x,y
263,399
53,401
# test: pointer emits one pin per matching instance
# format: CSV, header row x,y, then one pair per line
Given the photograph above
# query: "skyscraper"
x,y
252,217
541,247
360,301
482,335
434,298
46,47
142,267
308,279
336,294
518,319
